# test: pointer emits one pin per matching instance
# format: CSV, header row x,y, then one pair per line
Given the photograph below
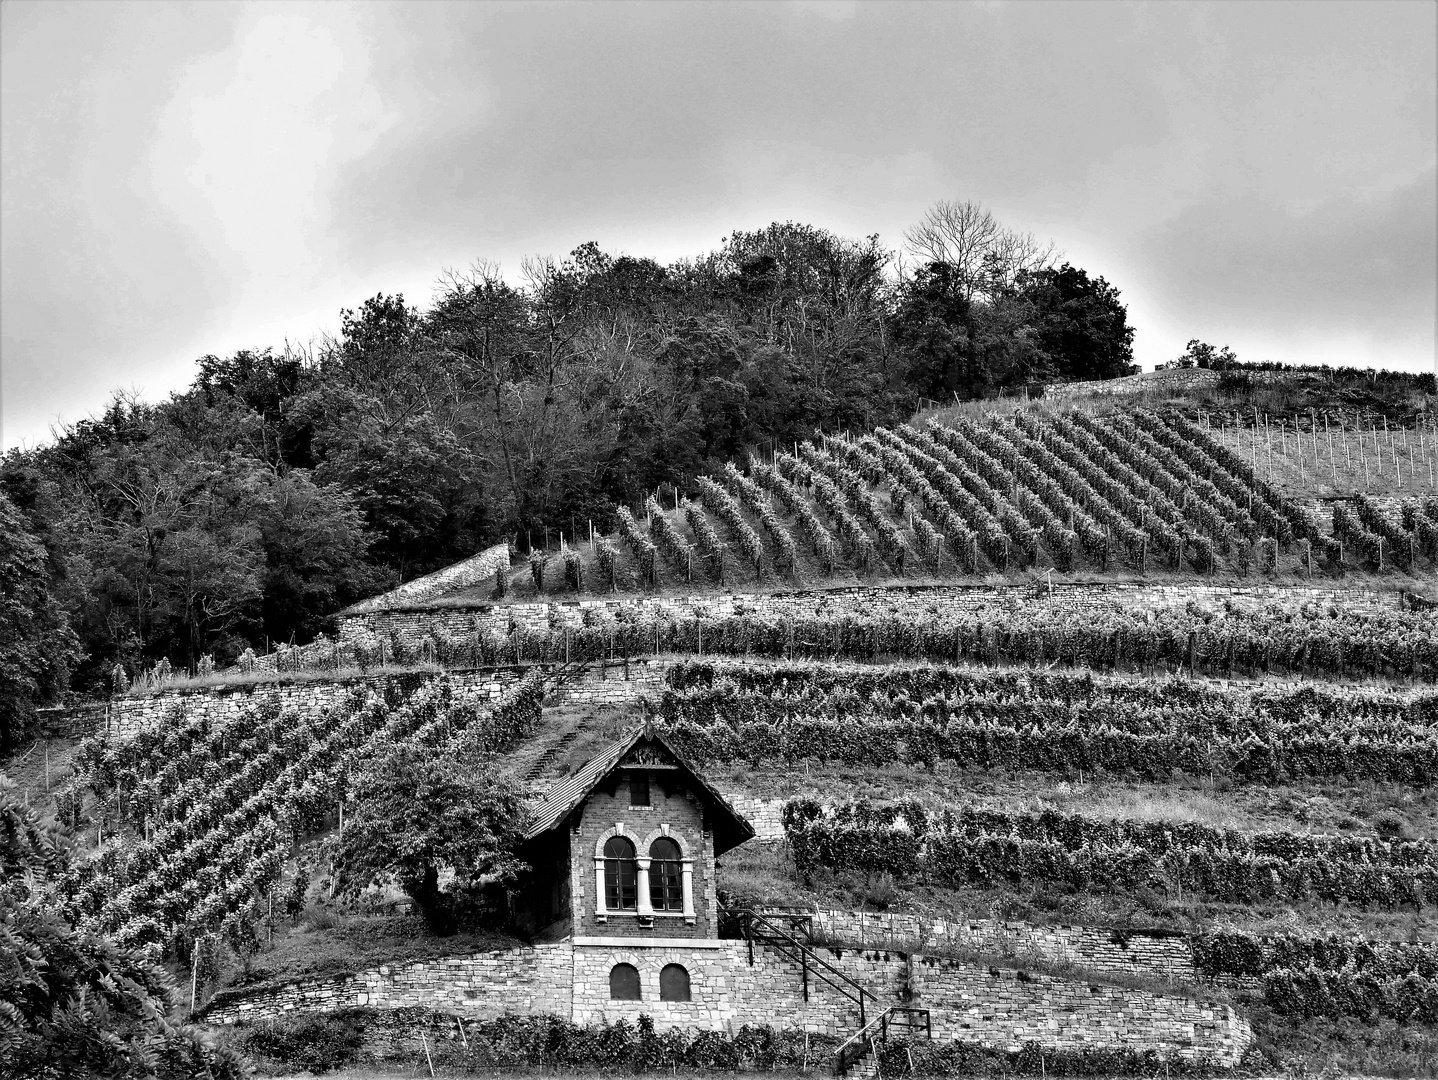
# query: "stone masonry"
x,y
407,627
604,684
1002,1007
1150,952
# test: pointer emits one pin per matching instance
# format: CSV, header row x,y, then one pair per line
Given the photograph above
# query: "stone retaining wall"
x,y
603,684
407,629
476,570
1001,1007
1135,952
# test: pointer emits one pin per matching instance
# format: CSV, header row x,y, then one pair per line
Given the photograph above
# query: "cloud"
x,y
181,179
1353,266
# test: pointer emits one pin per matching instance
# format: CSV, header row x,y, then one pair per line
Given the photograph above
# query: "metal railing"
x,y
759,928
893,1019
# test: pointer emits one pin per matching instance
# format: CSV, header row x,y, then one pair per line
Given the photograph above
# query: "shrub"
x,y
316,1042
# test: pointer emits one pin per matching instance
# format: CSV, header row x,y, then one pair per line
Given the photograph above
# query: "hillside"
x,y
1046,671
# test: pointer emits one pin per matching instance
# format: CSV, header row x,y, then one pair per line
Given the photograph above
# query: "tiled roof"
x,y
730,827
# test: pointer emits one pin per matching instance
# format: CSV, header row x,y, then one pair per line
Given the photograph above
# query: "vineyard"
x,y
1066,724
196,825
1305,639
958,753
1131,492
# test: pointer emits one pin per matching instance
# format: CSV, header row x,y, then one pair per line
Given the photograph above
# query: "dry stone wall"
x,y
1097,949
308,700
606,684
482,985
476,570
1001,1007
408,628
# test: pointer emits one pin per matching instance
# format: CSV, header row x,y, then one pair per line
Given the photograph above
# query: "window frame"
x,y
638,982
688,983
666,878
621,876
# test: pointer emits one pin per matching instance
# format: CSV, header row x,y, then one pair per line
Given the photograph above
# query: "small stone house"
x,y
624,854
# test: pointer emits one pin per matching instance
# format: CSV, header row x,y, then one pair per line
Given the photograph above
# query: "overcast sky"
x,y
187,179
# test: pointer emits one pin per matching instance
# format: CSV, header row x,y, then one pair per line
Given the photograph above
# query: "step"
x,y
551,755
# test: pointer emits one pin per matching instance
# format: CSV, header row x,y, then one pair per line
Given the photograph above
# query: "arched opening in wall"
x,y
666,878
673,983
621,875
624,982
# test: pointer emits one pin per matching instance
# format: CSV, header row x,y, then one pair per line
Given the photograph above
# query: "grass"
x,y
353,944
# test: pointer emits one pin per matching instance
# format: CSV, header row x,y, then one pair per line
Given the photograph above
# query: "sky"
x,y
183,179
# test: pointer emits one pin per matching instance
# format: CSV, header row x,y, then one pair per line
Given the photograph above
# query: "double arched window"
x,y
666,876
624,983
621,875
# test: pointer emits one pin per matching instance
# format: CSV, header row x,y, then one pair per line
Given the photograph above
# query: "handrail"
x,y
841,1056
772,934
858,993
849,1051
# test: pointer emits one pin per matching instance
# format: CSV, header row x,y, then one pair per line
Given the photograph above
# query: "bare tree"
x,y
986,256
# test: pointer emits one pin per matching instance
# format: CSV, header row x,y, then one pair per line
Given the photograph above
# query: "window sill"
x,y
646,919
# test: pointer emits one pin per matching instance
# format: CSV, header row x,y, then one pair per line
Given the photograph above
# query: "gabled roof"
x,y
730,827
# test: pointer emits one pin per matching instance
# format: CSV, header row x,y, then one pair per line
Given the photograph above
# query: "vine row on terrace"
x,y
1280,637
205,836
1047,721
969,846
1139,490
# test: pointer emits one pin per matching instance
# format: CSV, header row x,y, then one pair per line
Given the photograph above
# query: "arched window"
x,y
666,880
621,875
673,983
624,982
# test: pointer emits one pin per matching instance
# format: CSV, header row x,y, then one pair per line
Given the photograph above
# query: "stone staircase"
x,y
551,756
859,1052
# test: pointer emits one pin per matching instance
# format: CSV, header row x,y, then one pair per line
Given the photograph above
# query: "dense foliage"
x,y
1303,977
416,812
72,1002
965,845
281,486
37,645
514,1041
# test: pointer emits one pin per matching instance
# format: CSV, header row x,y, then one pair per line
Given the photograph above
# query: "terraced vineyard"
x,y
1066,724
1128,492
205,820
1255,777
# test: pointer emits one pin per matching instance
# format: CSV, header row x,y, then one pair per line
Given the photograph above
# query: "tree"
x,y
1199,354
1080,323
72,1003
984,257
961,318
417,811
315,547
37,646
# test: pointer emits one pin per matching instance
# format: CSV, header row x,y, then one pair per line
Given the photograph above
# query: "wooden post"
x,y
425,1039
194,973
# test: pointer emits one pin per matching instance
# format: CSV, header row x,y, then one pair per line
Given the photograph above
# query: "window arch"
x,y
621,875
624,983
673,983
666,876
